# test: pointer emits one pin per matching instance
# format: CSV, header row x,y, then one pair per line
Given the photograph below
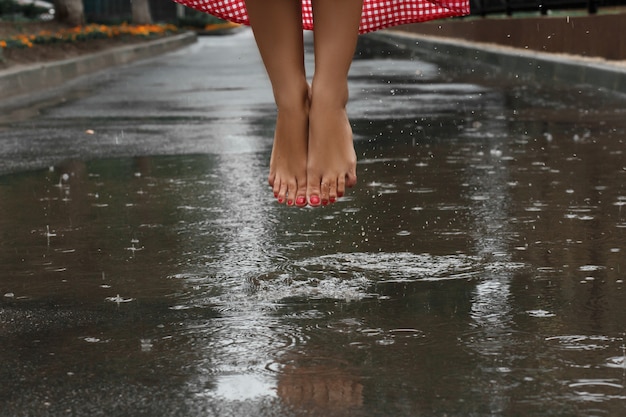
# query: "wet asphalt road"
x,y
477,268
202,99
210,98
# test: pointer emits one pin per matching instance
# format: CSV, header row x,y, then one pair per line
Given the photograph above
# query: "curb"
x,y
516,63
39,77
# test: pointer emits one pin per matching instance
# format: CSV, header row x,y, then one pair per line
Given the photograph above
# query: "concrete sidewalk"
x,y
515,62
561,32
23,80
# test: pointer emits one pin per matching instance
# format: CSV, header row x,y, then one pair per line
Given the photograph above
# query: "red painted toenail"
x,y
339,194
300,201
315,200
280,200
333,199
290,202
324,202
275,195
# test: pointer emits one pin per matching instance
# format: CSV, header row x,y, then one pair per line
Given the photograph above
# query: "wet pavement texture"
x,y
476,270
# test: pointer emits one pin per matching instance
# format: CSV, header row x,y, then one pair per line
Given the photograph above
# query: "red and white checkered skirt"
x,y
377,14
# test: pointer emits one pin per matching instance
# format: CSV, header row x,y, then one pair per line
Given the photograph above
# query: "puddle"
x,y
477,269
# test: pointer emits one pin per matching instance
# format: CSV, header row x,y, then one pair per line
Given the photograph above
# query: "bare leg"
x,y
277,27
331,163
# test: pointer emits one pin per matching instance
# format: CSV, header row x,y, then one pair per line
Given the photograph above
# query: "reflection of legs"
x,y
277,27
331,164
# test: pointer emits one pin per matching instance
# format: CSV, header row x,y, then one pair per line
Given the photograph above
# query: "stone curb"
x,y
24,80
537,66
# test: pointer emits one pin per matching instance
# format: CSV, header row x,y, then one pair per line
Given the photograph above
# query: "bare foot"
x,y
331,164
287,175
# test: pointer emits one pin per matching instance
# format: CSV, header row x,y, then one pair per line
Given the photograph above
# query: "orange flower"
x,y
84,33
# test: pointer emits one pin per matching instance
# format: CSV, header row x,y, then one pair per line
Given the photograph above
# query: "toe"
x,y
282,193
314,198
325,194
301,201
301,192
292,189
341,187
350,179
276,189
313,192
332,192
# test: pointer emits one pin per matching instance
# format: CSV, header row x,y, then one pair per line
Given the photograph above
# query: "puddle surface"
x,y
477,268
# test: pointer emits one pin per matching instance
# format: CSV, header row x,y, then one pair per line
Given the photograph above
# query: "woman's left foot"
x,y
331,160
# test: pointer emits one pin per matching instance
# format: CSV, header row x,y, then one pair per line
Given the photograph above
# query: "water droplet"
x,y
117,299
540,313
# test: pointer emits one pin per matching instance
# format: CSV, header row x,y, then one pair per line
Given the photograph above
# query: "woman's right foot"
x,y
288,162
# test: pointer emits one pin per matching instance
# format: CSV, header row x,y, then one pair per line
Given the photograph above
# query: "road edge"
x,y
518,63
23,80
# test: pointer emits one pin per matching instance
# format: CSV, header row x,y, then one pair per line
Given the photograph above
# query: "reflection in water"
x,y
243,387
318,389
489,195
476,270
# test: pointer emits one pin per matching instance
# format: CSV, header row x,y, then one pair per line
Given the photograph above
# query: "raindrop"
x,y
616,362
134,249
540,313
118,300
596,382
62,179
588,268
49,234
495,152
146,345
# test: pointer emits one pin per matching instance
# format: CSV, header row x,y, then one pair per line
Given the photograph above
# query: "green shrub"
x,y
196,19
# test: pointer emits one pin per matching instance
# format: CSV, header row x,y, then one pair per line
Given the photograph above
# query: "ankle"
x,y
329,96
293,99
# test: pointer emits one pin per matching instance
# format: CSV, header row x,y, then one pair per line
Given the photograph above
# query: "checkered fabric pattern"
x,y
377,14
